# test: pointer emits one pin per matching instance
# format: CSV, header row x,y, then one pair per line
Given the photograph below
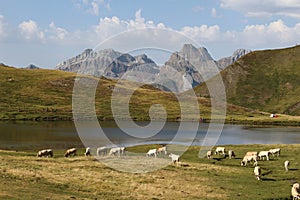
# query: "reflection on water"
x,y
62,135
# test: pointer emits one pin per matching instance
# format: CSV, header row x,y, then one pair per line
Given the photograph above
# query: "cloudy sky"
x,y
47,32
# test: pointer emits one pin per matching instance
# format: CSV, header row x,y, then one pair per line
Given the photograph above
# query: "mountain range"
x,y
184,70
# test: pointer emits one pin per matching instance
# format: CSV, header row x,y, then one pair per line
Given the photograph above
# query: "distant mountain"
x,y
32,66
224,62
185,69
265,80
194,64
108,63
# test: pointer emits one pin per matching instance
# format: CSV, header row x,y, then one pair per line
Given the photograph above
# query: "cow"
x,y
209,154
257,172
45,153
71,152
151,152
286,165
249,158
102,150
117,151
275,152
174,158
263,154
87,151
220,150
231,154
162,150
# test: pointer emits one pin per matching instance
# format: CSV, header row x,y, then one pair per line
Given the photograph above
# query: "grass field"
x,y
24,176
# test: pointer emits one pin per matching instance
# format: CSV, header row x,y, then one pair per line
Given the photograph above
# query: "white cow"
x,y
220,150
249,158
263,154
151,152
286,165
87,151
209,154
275,151
162,150
174,158
257,172
295,191
231,154
45,152
102,150
117,151
71,152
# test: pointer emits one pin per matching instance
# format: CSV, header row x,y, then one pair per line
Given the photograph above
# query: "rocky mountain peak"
x,y
192,53
224,62
143,58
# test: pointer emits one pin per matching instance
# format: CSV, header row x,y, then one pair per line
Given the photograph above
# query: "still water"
x,y
61,135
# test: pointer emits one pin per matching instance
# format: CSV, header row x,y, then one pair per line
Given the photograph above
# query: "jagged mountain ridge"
x,y
184,70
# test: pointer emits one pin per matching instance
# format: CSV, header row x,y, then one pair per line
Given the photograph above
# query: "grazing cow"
x,y
286,165
295,191
102,150
220,150
45,153
275,152
162,150
249,158
117,151
71,152
257,172
231,154
209,154
263,154
87,151
174,158
152,152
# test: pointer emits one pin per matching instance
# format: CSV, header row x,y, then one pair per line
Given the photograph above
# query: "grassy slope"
x,y
23,176
264,80
47,95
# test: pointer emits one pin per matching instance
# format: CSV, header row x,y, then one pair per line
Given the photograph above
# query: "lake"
x,y
62,135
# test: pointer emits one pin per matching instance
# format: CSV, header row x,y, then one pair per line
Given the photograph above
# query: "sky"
x,y
47,32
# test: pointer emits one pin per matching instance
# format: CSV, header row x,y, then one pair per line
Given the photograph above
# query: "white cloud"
x,y
266,8
276,33
93,7
214,12
203,33
59,33
30,30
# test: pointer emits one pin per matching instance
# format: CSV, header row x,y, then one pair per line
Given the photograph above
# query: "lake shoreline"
x,y
250,121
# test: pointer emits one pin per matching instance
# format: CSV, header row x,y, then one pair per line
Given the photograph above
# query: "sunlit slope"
x,y
266,80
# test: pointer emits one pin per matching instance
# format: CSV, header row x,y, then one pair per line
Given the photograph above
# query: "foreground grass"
x,y
24,176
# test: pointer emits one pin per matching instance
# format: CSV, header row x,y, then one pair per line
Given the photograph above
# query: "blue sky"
x,y
47,32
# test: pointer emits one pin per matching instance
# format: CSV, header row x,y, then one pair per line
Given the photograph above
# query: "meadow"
x,y
25,176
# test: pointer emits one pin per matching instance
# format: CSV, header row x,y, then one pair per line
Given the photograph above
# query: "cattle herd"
x,y
250,157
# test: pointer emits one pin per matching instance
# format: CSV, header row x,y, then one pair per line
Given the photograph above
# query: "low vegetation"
x,y
24,176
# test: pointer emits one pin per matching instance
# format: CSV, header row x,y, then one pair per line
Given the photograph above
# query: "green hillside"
x,y
266,80
43,94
